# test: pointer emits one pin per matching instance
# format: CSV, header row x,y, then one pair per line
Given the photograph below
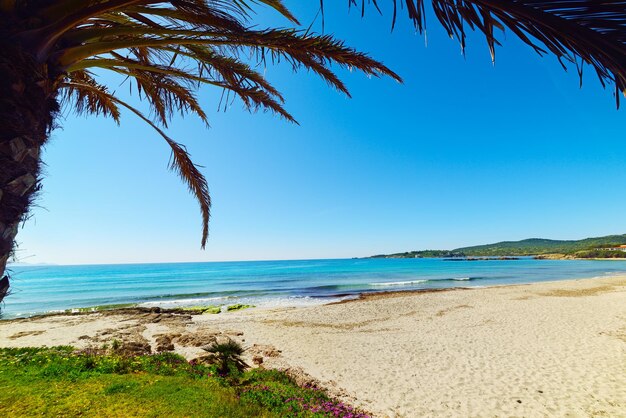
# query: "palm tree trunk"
x,y
27,109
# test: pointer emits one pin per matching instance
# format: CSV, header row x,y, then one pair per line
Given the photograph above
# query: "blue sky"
x,y
464,152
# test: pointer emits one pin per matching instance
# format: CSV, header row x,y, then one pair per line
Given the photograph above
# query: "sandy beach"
x,y
544,349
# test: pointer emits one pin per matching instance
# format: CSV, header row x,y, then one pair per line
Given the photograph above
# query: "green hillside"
x,y
534,246
531,246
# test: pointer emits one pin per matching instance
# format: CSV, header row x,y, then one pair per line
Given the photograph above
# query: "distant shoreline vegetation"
x,y
422,254
589,248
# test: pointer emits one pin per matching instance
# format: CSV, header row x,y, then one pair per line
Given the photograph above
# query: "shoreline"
x,y
383,294
348,297
557,347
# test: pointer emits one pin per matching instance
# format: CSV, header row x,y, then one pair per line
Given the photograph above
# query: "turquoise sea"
x,y
40,289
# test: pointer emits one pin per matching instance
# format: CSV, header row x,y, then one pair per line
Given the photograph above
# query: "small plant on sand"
x,y
226,355
238,307
115,345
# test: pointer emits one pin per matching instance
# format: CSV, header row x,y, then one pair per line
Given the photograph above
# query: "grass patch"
x,y
59,381
210,309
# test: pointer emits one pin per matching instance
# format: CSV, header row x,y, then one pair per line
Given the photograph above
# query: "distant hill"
x,y
531,246
535,246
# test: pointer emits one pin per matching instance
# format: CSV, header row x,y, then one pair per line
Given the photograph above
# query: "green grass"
x,y
212,310
53,382
209,309
121,396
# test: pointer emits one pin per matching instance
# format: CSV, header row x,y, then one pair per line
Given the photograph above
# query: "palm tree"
x,y
53,51
227,356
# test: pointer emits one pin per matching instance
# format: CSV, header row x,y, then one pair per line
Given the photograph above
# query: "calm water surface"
x,y
39,289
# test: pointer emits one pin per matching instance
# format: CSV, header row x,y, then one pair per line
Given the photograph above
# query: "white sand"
x,y
545,349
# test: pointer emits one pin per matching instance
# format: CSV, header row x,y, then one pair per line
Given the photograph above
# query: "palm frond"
x,y
89,97
152,50
180,163
163,92
157,82
581,32
314,52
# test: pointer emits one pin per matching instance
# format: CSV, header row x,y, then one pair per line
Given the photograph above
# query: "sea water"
x,y
41,289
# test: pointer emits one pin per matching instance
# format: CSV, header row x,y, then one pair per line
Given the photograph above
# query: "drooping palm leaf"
x,y
582,32
94,98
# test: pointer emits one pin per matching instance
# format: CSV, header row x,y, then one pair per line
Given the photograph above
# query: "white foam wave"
x,y
461,278
261,302
175,303
406,283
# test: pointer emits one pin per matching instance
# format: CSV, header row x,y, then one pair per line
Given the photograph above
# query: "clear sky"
x,y
463,153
